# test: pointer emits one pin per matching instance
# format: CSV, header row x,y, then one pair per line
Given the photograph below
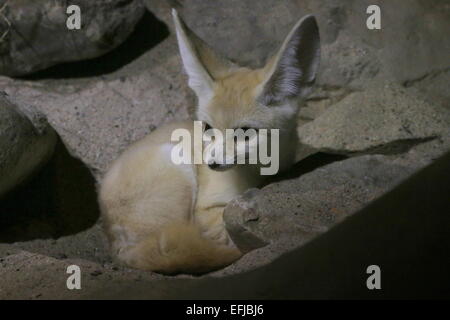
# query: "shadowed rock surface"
x,y
34,34
25,143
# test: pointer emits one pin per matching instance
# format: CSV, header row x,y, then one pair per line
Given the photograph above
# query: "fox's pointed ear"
x,y
201,63
292,71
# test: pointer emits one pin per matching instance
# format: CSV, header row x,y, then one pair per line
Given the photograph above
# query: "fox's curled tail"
x,y
178,248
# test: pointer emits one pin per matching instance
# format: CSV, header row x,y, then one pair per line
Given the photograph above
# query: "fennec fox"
x,y
167,218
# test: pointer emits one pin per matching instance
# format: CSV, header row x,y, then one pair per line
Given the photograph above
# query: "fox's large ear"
x,y
201,63
292,71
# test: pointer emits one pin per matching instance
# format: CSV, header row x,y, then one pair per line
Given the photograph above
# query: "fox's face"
x,y
233,97
234,104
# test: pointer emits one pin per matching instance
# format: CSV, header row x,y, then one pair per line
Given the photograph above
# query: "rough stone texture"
x,y
287,214
98,120
383,119
433,87
154,81
319,101
34,36
24,145
410,45
44,277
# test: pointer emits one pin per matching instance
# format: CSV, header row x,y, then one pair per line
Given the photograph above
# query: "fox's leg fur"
x,y
148,206
215,190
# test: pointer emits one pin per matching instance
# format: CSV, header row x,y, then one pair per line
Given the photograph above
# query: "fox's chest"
x,y
217,188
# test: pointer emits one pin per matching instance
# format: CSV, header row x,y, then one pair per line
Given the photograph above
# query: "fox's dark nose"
x,y
213,165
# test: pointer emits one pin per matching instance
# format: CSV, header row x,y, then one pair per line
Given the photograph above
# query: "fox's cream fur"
x,y
164,217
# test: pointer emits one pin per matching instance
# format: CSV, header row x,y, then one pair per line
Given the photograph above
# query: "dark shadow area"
x,y
59,200
306,165
149,31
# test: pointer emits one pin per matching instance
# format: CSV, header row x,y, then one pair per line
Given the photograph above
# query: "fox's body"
x,y
165,217
162,206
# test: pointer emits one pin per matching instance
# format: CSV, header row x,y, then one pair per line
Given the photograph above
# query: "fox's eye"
x,y
207,126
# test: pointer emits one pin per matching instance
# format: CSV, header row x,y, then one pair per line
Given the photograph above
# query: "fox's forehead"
x,y
234,98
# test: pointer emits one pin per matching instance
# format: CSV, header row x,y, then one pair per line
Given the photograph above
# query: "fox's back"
x,y
144,179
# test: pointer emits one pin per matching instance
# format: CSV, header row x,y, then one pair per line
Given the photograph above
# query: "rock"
x,y
407,47
319,101
310,203
285,215
132,101
434,87
240,213
90,245
24,145
27,275
98,119
34,34
385,119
